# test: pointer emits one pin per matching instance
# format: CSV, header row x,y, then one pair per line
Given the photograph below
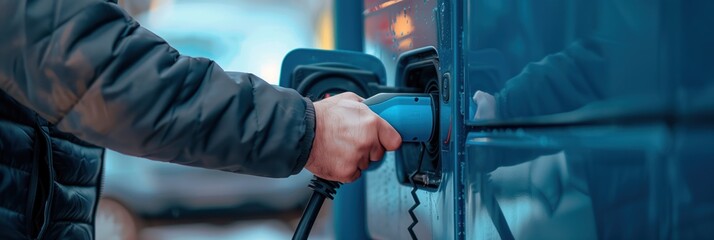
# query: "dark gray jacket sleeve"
x,y
89,68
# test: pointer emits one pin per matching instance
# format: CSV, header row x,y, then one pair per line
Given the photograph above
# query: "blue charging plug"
x,y
411,114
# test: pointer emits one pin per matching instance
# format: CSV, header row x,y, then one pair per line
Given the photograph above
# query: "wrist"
x,y
317,129
308,138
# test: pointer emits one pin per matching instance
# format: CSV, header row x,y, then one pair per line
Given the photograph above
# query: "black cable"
x,y
414,195
308,216
322,189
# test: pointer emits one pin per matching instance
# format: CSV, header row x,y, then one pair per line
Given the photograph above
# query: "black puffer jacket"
x,y
84,69
47,175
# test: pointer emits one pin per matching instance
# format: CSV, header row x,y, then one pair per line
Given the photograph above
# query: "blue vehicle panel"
x,y
557,119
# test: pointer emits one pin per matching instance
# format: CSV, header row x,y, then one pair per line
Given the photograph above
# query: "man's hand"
x,y
348,135
486,104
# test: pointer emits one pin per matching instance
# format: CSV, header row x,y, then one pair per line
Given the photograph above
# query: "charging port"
x,y
418,70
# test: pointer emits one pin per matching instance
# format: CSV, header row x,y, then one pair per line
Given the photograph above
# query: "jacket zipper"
x,y
42,175
32,191
50,181
100,188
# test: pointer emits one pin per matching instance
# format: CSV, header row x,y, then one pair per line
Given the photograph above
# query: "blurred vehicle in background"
x,y
244,36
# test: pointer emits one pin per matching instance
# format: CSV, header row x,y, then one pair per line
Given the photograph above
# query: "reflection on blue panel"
x,y
626,182
594,119
575,183
529,59
583,119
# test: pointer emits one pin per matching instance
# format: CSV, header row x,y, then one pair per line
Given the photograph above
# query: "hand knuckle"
x,y
371,121
364,144
375,120
349,94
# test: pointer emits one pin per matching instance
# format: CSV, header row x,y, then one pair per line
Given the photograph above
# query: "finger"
x,y
376,153
477,97
363,165
354,176
388,136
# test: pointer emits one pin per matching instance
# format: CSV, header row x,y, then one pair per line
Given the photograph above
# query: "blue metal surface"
x,y
600,123
587,136
392,28
584,182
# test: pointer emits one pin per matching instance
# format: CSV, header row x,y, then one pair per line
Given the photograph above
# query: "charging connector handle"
x,y
411,114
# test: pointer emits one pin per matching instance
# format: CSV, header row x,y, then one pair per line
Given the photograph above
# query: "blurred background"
x,y
605,123
145,199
